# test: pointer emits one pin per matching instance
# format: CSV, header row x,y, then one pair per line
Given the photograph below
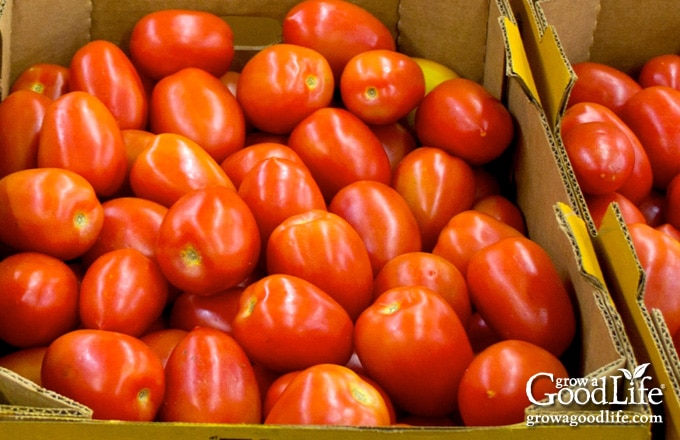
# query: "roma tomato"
x,y
274,391
26,362
116,375
339,148
163,341
381,86
503,209
603,84
598,205
493,390
39,299
382,218
436,186
661,70
672,202
463,118
102,69
282,84
239,163
210,379
324,249
396,139
194,103
481,336
49,210
654,207
50,80
329,394
285,323
166,41
79,133
517,290
414,323
337,29
21,119
171,166
202,230
214,311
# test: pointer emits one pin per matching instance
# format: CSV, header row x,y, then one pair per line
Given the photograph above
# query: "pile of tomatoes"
x,y
314,239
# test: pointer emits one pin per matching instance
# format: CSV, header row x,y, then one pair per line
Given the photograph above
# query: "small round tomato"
x,y
381,86
598,205
39,299
282,84
50,80
493,390
503,209
661,70
396,139
463,118
213,311
239,163
602,84
210,379
329,394
26,362
116,375
165,41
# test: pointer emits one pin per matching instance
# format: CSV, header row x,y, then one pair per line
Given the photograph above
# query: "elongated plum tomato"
x,y
603,84
50,80
661,70
239,163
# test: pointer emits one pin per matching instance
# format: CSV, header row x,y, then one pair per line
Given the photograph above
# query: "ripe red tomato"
x,y
672,202
661,70
396,140
102,69
282,84
169,40
669,230
337,29
49,210
602,84
463,118
21,118
275,389
598,205
324,249
329,394
493,390
503,209
214,311
163,341
285,323
339,148
116,375
194,103
79,133
436,186
381,86
210,379
135,142
517,290
239,163
479,333
51,80
412,343
26,362
39,300
654,207
202,230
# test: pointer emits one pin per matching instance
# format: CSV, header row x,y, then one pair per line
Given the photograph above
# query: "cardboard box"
x,y
480,40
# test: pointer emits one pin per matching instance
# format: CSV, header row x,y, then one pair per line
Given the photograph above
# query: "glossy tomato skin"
x,y
116,375
166,41
282,84
26,362
214,311
275,389
598,205
163,341
517,290
238,164
50,80
39,300
285,323
661,70
407,323
396,139
672,202
503,209
603,84
49,210
202,230
210,379
196,104
79,133
102,69
463,118
493,390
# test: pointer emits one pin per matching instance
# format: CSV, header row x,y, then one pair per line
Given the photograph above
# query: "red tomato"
x,y
428,270
166,41
412,343
210,379
202,230
39,300
239,163
517,290
123,291
49,210
276,388
598,205
337,29
382,218
329,394
230,79
381,86
654,208
661,70
193,103
163,341
503,209
436,187
603,84
464,119
669,230
213,311
172,166
283,84
672,202
79,133
102,69
285,323
324,249
493,390
21,118
116,375
396,140
481,336
51,80
135,141
26,362
338,148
